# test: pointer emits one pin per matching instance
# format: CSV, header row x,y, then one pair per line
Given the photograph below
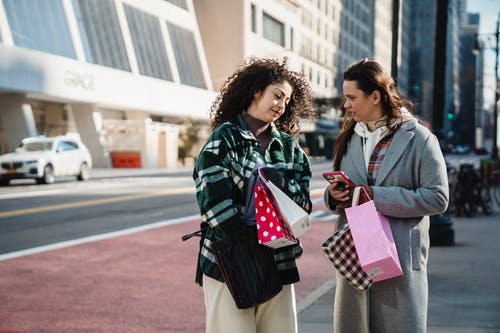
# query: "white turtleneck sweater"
x,y
374,131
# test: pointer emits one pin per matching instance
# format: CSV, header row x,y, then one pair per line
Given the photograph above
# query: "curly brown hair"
x,y
255,75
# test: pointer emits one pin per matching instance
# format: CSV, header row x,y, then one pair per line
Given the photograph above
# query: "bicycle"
x,y
470,192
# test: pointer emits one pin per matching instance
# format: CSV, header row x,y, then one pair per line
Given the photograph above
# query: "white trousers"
x,y
278,315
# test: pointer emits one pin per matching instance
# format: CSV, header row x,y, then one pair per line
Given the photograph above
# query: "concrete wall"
x,y
89,123
17,121
221,32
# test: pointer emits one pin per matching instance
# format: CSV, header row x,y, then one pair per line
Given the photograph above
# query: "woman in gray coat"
x,y
385,149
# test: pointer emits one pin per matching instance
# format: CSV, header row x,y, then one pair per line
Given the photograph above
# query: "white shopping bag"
x,y
288,211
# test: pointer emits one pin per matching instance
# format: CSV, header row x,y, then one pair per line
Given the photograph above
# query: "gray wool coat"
x,y
411,185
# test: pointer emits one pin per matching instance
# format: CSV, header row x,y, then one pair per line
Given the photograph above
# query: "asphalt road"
x,y
35,215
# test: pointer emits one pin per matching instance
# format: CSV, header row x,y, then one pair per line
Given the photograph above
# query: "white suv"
x,y
42,158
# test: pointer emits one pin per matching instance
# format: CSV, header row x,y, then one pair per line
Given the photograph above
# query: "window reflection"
x,y
148,44
186,56
40,25
179,3
273,29
101,35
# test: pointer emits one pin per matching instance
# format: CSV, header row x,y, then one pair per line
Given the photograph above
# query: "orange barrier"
x,y
126,159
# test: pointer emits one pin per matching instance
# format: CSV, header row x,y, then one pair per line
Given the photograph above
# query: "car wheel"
x,y
48,175
84,172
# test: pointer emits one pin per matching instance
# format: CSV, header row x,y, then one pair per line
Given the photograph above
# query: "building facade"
x,y
469,114
122,73
126,74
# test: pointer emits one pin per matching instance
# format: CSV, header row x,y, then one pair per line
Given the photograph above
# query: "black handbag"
x,y
248,268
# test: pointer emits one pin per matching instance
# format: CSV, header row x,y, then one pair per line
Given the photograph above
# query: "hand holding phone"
x,y
340,178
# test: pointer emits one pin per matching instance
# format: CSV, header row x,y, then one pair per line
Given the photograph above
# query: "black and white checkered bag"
x,y
340,249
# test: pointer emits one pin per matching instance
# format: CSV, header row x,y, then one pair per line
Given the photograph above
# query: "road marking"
x,y
78,187
95,238
323,216
182,190
309,299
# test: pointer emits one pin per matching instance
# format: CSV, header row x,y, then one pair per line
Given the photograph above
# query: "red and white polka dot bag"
x,y
271,231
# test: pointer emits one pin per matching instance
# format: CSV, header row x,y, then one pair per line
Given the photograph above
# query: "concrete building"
x,y
306,32
122,73
126,74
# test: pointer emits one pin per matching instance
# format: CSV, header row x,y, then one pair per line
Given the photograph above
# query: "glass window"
x,y
101,35
40,25
187,56
148,44
66,145
273,29
179,3
36,146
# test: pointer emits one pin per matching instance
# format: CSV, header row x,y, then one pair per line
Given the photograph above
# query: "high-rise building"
x,y
422,46
469,112
357,36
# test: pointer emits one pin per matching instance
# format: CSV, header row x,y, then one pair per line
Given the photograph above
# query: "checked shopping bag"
x,y
340,249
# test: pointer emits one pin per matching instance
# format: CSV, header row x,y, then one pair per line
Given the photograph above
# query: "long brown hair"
x,y
254,75
369,76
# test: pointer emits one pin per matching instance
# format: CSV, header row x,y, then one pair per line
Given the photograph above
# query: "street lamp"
x,y
477,47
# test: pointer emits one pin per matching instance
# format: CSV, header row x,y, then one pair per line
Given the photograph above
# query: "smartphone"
x,y
338,176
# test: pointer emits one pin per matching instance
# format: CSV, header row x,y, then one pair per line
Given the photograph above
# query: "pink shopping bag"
x,y
271,231
372,235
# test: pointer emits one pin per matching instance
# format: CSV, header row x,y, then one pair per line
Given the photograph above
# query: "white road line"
x,y
90,239
315,294
77,189
323,215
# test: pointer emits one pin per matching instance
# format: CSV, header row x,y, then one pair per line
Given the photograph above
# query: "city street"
x,y
140,277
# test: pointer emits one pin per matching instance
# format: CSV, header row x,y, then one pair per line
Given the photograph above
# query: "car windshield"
x,y
36,146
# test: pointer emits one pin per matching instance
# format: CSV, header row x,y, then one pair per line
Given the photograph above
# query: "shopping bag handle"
x,y
356,194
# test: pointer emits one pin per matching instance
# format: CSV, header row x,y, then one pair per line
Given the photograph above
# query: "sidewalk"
x,y
464,288
99,173
318,165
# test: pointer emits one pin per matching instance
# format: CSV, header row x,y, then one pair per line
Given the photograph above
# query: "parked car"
x,y
45,158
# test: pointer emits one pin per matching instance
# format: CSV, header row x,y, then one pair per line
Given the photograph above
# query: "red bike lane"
x,y
141,282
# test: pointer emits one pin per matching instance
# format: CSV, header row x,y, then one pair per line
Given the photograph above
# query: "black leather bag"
x,y
248,268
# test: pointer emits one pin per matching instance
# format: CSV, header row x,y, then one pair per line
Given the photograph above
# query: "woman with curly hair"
x,y
253,121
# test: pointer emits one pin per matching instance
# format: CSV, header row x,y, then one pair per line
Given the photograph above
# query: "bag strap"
x,y
198,233
356,194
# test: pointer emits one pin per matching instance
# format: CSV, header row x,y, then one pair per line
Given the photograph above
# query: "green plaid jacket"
x,y
221,174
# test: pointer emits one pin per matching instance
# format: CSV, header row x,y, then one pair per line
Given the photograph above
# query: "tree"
x,y
189,137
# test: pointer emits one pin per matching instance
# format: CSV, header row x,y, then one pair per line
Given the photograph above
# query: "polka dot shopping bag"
x,y
279,219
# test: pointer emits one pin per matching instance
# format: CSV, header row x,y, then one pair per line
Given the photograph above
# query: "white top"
x,y
373,132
